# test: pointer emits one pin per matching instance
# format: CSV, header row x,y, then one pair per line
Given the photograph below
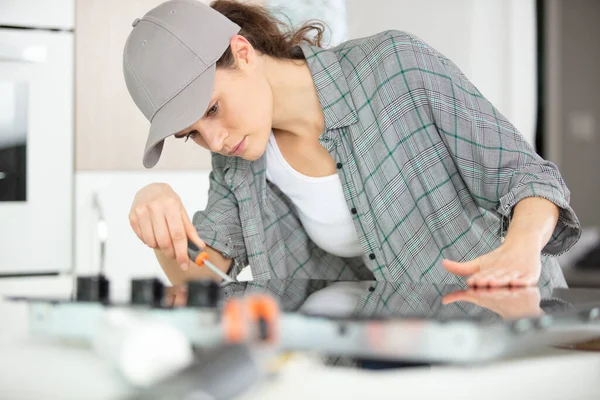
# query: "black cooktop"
x,y
391,300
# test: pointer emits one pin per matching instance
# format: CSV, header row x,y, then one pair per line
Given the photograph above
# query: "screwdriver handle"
x,y
203,256
200,258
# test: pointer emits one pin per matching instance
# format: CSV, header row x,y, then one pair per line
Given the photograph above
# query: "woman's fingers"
x,y
158,218
461,295
161,231
524,280
146,227
133,221
501,278
482,278
504,278
191,231
463,268
178,236
175,296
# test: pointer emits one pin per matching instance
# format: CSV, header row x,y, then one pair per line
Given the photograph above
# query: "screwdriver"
x,y
200,258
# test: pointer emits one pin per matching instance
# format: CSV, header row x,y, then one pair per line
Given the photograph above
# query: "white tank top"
x,y
320,203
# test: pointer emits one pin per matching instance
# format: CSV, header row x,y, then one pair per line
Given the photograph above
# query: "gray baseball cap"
x,y
169,62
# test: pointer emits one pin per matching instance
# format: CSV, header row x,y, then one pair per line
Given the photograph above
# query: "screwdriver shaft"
x,y
217,271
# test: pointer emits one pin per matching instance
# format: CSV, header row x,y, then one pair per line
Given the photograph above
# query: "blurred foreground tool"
x,y
223,372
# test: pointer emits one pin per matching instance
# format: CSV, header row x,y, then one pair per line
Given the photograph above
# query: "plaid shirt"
x,y
429,169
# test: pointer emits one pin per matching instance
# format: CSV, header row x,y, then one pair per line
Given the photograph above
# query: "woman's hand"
x,y
158,218
511,303
517,262
514,264
175,296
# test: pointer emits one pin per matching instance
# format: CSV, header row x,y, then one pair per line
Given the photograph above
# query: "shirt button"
x,y
372,256
353,211
339,165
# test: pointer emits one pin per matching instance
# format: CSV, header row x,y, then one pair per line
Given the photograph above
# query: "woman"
x,y
376,159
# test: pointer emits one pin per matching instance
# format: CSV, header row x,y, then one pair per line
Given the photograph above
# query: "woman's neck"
x,y
296,106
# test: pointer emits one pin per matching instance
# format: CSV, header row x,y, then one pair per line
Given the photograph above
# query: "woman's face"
x,y
237,122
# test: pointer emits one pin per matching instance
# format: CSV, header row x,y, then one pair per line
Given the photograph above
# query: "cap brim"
x,y
179,113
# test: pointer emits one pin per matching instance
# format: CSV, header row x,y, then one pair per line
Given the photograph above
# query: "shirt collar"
x,y
332,87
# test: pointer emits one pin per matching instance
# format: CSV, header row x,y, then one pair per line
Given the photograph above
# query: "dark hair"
x,y
267,34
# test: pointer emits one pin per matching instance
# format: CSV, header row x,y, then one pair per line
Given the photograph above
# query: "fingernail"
x,y
184,266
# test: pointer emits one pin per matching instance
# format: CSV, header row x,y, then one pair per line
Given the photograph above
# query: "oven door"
x,y
36,151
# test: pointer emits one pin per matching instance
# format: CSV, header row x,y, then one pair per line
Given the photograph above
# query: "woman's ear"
x,y
243,52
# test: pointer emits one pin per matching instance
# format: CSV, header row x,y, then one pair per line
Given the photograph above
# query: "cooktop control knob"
x,y
147,292
93,288
203,293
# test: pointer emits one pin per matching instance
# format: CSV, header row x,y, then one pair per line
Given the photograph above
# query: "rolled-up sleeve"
x,y
497,164
219,224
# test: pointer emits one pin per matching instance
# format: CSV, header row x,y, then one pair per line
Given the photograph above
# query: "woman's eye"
x,y
212,110
190,135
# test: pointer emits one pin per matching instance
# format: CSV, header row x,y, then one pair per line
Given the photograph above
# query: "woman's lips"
x,y
239,149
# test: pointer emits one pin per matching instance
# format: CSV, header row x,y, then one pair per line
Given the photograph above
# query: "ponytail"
x,y
267,34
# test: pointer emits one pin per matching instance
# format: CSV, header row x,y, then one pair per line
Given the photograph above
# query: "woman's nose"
x,y
216,140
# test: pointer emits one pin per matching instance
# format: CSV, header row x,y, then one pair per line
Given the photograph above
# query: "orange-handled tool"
x,y
200,258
